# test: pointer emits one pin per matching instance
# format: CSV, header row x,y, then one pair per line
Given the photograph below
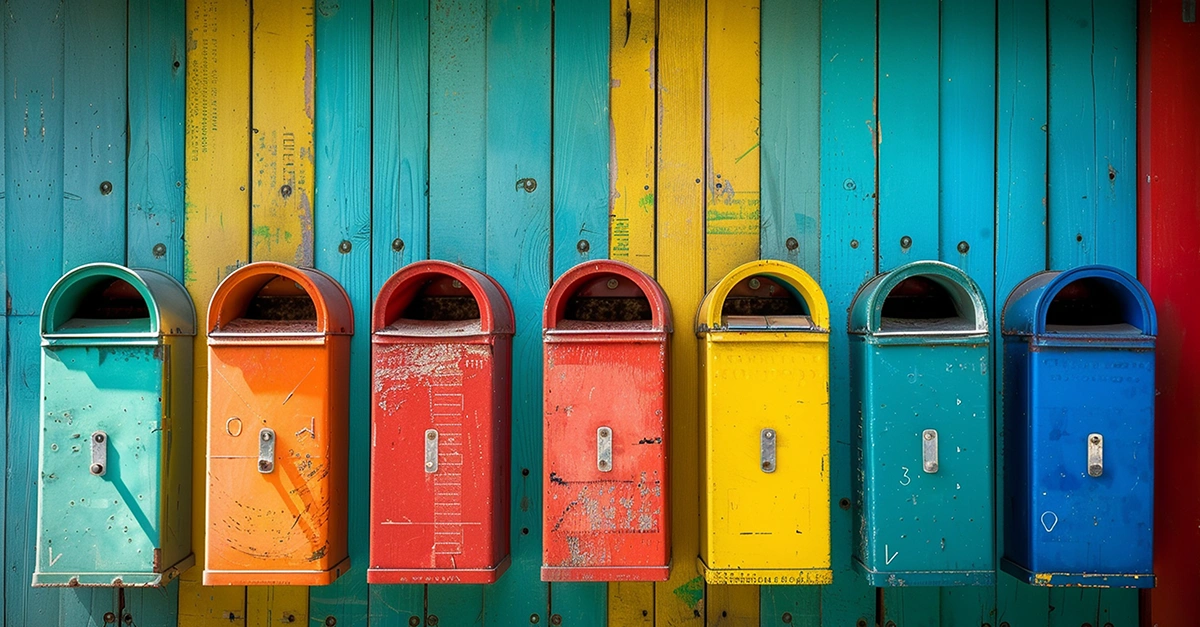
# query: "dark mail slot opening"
x,y
760,302
922,304
104,305
1094,305
279,306
607,301
439,306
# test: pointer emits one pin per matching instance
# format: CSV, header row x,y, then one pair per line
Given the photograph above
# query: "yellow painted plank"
x,y
680,234
216,236
734,85
631,101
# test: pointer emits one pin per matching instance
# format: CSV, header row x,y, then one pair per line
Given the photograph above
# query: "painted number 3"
x,y
905,480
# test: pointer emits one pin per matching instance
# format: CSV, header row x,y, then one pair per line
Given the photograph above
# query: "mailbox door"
x,y
919,397
280,520
767,520
615,518
1085,524
101,527
443,517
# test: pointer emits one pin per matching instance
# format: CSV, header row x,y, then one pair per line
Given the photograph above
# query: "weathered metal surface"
x,y
1079,360
606,436
441,427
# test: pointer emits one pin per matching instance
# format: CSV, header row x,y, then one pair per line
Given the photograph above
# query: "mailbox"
x,y
764,361
440,426
606,326
1079,430
114,493
921,390
278,376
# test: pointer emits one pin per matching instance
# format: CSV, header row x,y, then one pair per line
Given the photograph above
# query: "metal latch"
x,y
431,451
266,451
1095,455
766,448
99,453
929,452
604,449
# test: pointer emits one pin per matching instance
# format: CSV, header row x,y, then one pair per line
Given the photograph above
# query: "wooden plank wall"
x,y
521,137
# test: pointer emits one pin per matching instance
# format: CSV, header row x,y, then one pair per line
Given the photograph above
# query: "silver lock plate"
x,y
766,446
929,450
431,451
266,451
1095,449
604,449
99,442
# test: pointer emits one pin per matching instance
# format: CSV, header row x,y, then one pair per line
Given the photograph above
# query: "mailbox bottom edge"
x,y
275,577
1078,580
606,573
766,576
930,578
438,575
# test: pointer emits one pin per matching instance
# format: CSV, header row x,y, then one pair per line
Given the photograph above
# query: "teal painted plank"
x,y
791,191
1021,217
1072,135
94,133
518,256
1114,72
156,123
342,245
908,123
848,174
400,185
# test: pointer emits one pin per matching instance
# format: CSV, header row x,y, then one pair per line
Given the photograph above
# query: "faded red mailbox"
x,y
606,326
441,358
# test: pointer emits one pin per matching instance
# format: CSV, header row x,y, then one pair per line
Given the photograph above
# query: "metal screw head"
x,y
106,188
930,466
862,622
432,435
285,191
97,469
963,247
129,619
604,433
556,619
1095,439
330,621
264,464
766,465
853,243
755,284
109,617
99,438
431,620
844,503
791,244
612,284
266,436
848,185
906,242
534,618
928,436
159,250
397,245
787,618
891,623
344,247
413,621
289,618
770,435
583,246
604,463
527,184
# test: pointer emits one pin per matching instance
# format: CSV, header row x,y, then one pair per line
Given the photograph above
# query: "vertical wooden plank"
x,y
399,184
6,104
848,184
217,238
1114,72
680,601
342,243
634,81
518,256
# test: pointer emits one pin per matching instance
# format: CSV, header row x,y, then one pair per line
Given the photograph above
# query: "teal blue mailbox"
x,y
920,381
114,487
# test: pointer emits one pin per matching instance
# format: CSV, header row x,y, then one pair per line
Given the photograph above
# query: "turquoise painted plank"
x,y
908,123
1021,219
400,186
848,174
93,95
791,197
342,245
156,123
1072,135
518,256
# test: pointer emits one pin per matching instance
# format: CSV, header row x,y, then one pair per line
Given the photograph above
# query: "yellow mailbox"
x,y
764,362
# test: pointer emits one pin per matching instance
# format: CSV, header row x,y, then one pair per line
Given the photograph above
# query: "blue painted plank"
x,y
848,174
342,248
518,256
791,197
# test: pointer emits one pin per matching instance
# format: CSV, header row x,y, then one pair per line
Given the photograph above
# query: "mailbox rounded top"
x,y
605,295
431,291
233,306
797,282
105,299
920,298
1092,299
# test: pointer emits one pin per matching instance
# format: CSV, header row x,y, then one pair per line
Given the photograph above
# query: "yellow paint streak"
x,y
216,232
733,200
282,137
631,98
680,234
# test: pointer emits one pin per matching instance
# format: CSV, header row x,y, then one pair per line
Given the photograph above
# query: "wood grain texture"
x,y
633,32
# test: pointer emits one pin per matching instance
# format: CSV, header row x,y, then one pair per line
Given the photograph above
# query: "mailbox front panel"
x,y
757,526
605,514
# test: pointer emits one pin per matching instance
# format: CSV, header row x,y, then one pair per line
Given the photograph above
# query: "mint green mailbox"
x,y
114,488
921,385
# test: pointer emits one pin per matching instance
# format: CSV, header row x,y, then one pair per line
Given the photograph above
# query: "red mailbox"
x,y
606,327
441,360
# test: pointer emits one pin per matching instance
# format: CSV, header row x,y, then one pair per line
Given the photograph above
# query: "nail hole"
x,y
792,244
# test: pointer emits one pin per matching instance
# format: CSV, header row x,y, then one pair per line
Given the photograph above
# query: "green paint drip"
x,y
691,592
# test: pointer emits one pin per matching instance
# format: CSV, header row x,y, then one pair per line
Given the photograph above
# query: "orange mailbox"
x,y
440,426
606,327
278,377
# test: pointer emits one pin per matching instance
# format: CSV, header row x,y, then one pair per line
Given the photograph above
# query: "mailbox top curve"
x,y
606,295
106,299
920,298
427,292
301,301
1093,300
798,287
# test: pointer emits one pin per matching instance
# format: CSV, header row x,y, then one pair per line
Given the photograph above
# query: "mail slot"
x,y
921,391
1079,430
114,498
764,361
440,427
606,326
279,364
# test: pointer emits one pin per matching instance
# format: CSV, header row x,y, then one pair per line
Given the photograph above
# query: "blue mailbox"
x,y
1079,430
